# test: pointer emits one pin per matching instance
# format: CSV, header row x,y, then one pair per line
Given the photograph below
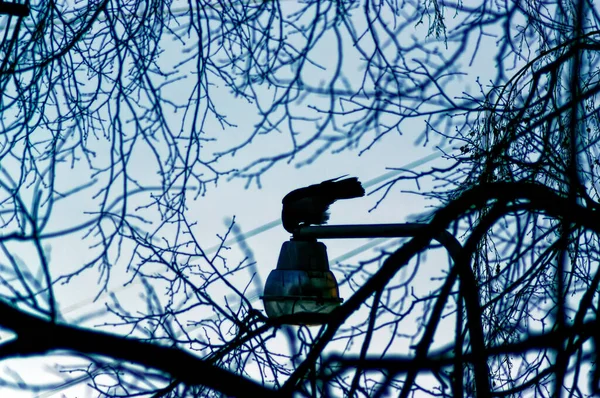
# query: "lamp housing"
x,y
302,281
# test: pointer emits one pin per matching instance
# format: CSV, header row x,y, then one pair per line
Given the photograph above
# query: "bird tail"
x,y
348,188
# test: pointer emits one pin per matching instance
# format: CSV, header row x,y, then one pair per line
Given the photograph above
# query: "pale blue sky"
x,y
253,206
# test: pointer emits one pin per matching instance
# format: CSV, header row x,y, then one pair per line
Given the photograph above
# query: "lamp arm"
x,y
354,231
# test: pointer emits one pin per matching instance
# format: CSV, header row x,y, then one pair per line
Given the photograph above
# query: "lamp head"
x,y
302,282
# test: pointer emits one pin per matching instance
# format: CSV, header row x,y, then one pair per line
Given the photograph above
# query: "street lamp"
x,y
302,283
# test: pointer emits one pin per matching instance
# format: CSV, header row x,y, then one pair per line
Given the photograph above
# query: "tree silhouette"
x,y
116,115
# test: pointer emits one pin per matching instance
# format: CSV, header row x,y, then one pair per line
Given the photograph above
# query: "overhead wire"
x,y
272,224
254,232
263,228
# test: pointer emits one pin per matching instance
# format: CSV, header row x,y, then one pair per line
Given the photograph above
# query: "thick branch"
x,y
36,336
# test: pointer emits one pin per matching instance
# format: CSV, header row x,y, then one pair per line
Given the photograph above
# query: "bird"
x,y
309,205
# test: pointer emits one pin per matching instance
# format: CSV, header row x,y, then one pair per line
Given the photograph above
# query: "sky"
x,y
255,206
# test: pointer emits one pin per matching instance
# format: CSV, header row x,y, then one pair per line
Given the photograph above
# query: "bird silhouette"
x,y
309,205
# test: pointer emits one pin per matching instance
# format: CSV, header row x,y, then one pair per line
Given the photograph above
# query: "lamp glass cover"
x,y
302,281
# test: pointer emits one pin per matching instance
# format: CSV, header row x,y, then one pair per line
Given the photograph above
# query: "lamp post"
x,y
303,283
